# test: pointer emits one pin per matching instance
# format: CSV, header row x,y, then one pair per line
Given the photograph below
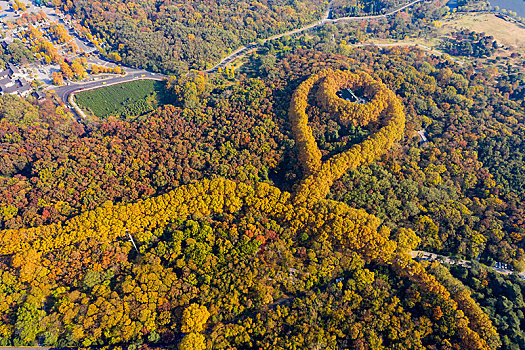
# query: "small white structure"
x,y
423,135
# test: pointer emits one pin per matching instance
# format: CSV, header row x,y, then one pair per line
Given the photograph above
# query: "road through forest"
x,y
64,92
242,51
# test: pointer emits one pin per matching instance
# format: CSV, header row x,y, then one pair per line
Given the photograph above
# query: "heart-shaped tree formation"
x,y
346,111
384,108
32,252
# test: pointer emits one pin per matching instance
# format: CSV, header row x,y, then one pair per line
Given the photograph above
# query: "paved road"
x,y
441,258
135,74
344,19
242,51
65,90
451,261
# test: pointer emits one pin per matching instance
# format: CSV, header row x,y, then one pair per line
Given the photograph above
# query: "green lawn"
x,y
126,100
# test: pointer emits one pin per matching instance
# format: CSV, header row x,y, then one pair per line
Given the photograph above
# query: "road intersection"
x,y
65,92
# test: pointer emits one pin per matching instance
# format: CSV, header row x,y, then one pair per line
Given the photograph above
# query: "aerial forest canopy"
x,y
235,264
172,36
267,212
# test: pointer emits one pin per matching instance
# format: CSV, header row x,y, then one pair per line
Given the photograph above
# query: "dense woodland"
x,y
172,36
239,264
501,297
264,210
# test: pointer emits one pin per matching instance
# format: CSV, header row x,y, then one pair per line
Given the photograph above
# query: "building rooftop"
x,y
5,73
39,95
14,68
24,88
20,86
10,90
349,95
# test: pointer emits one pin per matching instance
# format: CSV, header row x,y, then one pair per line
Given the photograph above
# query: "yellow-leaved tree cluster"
x,y
359,113
383,108
305,213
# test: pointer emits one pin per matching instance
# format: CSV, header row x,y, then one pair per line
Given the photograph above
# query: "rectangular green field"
x,y
126,100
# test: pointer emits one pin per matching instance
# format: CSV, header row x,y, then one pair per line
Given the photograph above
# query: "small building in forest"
x,y
423,138
349,95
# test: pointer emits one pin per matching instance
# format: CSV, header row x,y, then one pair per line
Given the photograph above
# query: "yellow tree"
x,y
58,79
78,69
114,56
193,341
66,70
194,318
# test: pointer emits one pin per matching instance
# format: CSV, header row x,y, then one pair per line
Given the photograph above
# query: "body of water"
x,y
517,6
452,4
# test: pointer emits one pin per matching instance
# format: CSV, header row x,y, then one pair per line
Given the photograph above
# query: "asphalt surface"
x,y
64,91
427,256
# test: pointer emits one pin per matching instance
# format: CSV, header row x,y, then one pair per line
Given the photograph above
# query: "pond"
x,y
517,6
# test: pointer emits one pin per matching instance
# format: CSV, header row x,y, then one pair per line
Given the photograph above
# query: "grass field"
x,y
506,33
125,100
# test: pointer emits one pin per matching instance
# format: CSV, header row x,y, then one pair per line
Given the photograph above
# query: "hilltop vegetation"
x,y
265,211
248,255
253,208
172,36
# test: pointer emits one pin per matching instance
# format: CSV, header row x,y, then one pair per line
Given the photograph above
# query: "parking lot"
x,y
11,15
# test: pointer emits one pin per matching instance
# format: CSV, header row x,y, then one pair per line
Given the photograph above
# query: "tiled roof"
x,y
24,88
39,95
10,89
20,86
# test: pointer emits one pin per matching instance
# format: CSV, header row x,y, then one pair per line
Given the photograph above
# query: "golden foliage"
x,y
193,341
306,212
384,107
194,318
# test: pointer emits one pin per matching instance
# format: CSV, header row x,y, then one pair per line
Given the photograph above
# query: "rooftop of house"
x,y
10,90
5,73
20,86
349,95
14,68
39,95
5,81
